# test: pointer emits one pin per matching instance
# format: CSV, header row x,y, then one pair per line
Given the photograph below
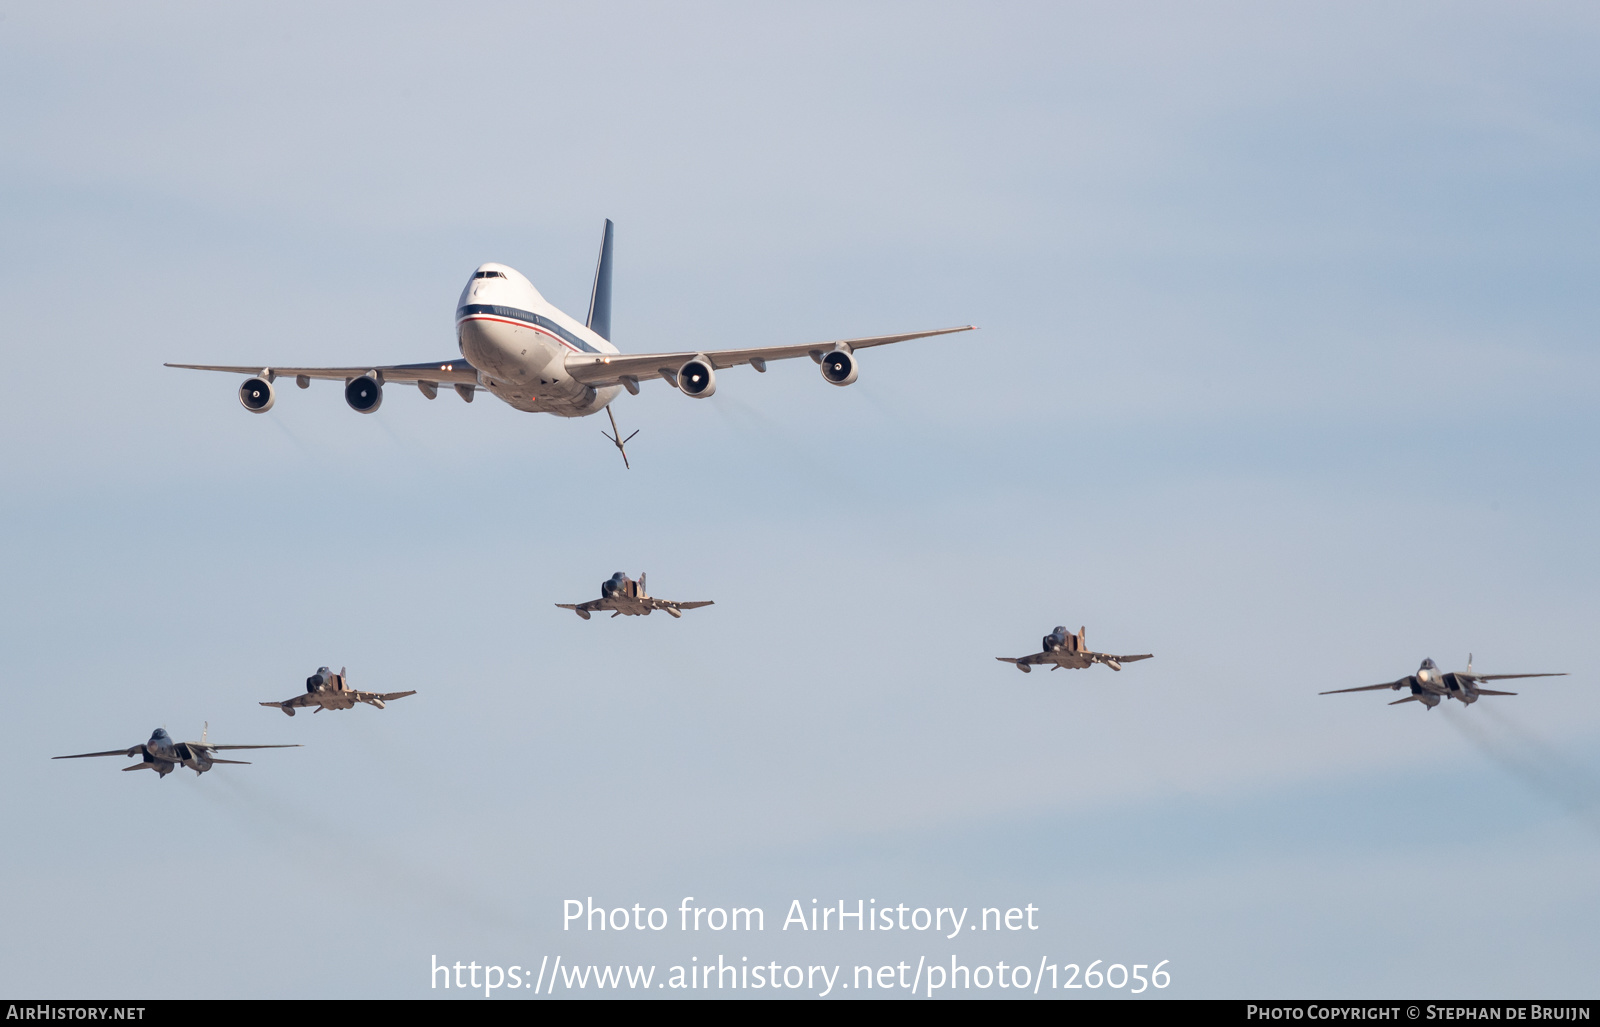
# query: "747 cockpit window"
x,y
490,274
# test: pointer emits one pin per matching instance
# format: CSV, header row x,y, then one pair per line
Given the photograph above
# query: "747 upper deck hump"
x,y
523,349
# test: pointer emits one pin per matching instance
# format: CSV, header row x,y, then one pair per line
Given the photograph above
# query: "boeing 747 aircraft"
x,y
521,348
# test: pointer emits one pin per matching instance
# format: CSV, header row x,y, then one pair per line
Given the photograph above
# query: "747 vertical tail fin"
x,y
600,296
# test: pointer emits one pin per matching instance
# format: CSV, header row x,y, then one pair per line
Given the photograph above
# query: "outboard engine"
x,y
364,394
257,396
839,367
697,378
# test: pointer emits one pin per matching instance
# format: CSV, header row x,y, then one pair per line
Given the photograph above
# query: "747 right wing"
x,y
629,369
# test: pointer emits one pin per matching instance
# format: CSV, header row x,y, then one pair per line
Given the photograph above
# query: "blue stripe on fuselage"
x,y
528,317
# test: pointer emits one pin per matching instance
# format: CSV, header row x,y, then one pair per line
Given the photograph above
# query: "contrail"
x,y
1535,762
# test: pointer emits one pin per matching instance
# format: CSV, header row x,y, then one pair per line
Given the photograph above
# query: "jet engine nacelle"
x,y
839,367
257,395
697,378
364,394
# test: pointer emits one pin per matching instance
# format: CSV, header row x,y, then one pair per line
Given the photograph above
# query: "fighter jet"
x,y
1428,685
1064,649
162,755
622,595
328,691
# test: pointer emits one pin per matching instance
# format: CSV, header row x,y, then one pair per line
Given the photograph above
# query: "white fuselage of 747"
x,y
519,342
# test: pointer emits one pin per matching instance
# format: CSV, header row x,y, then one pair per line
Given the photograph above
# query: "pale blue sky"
x,y
1286,374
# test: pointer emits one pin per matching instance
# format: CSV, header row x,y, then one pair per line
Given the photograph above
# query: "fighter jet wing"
x,y
1486,691
385,696
1130,659
1367,688
1035,658
135,751
1507,677
589,607
611,368
220,748
455,371
298,702
682,606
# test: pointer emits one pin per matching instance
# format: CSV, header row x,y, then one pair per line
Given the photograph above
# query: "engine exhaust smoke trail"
x,y
797,453
401,444
1534,762
299,443
1545,751
408,883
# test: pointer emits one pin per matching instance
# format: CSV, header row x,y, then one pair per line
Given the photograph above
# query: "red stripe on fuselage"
x,y
521,324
